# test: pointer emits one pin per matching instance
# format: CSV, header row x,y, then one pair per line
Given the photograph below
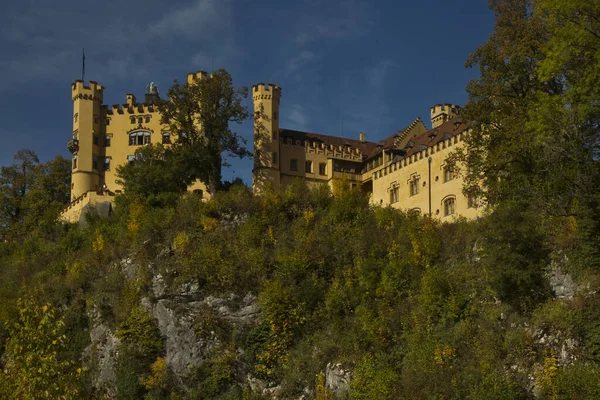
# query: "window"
x,y
166,138
132,120
130,158
293,164
472,201
75,135
74,162
414,185
75,117
394,192
322,169
107,164
95,162
140,120
95,139
139,138
449,206
274,158
107,141
448,173
308,167
147,118
415,212
274,136
107,121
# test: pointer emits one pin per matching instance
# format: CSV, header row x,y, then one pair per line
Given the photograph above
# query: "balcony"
x,y
347,175
73,146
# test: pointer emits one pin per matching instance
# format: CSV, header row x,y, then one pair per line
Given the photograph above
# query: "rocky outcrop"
x,y
101,356
337,379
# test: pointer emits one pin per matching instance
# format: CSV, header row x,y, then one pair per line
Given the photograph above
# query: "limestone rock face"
x,y
337,379
561,282
102,355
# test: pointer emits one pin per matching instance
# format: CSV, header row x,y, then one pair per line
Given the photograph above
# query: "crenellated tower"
x,y
86,141
441,113
267,155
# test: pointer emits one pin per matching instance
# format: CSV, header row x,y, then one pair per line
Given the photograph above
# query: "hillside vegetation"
x,y
306,295
413,308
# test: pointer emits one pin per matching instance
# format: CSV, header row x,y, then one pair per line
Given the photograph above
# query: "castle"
x,y
408,170
105,137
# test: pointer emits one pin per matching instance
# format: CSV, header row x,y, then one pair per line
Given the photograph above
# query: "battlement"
x,y
93,91
269,87
441,113
269,91
139,108
131,100
192,76
446,107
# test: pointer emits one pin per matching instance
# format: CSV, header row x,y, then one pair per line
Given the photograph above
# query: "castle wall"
x,y
418,166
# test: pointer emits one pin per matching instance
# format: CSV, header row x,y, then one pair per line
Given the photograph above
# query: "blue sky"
x,y
344,66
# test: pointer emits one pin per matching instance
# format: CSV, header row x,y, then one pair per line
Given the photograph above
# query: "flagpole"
x,y
83,65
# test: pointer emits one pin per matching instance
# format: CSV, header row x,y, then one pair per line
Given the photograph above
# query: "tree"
x,y
501,150
34,368
15,183
155,175
30,191
199,114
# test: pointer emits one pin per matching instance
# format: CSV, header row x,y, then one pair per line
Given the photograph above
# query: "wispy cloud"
x,y
377,74
128,42
297,117
298,62
193,19
366,110
329,20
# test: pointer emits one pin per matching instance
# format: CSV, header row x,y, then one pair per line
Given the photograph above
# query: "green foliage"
x,y
32,193
156,175
35,368
199,114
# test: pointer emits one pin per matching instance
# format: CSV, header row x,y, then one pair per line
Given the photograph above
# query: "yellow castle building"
x,y
408,170
107,136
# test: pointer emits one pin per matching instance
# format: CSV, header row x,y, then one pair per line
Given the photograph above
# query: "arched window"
x,y
394,193
414,211
449,204
166,137
414,185
448,172
139,138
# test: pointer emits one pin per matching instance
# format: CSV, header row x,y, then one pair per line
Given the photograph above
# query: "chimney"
x,y
361,137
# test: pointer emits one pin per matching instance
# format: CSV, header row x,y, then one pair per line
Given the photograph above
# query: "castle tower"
x,y
441,113
87,135
266,170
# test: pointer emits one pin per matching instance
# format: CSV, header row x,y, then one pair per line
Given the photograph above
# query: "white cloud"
x,y
329,20
45,41
298,62
193,20
297,116
377,74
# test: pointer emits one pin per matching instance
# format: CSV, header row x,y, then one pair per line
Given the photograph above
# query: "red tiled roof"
x,y
432,137
429,138
365,147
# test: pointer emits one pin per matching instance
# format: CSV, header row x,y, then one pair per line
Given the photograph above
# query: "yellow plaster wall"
x,y
418,164
75,212
117,121
266,171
